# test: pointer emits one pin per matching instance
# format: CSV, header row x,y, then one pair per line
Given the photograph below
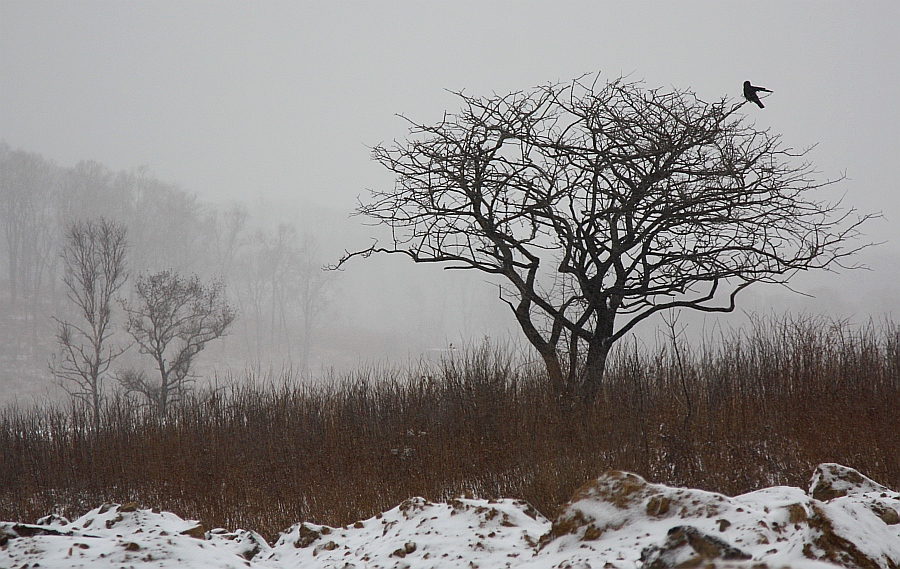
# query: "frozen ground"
x,y
618,521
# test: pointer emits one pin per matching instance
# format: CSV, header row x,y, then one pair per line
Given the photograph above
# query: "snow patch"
x,y
618,521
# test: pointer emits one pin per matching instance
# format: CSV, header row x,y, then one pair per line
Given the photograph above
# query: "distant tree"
x,y
94,270
88,190
166,224
23,186
225,230
601,205
40,250
172,320
311,290
282,291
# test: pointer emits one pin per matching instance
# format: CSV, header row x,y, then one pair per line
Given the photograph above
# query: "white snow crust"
x,y
618,521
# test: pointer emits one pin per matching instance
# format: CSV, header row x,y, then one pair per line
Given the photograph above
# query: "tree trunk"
x,y
594,367
554,372
13,274
546,349
96,407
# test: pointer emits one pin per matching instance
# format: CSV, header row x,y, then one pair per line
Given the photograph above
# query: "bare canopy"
x,y
94,270
600,205
172,320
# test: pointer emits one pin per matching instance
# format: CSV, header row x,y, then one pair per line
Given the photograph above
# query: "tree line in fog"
x,y
272,274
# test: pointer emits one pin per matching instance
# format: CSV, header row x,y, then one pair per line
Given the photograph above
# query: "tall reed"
x,y
745,410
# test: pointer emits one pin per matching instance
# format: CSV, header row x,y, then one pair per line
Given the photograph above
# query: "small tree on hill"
x,y
94,270
172,321
599,206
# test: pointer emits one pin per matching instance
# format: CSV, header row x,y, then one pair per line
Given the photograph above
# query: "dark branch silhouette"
x,y
172,321
600,206
94,270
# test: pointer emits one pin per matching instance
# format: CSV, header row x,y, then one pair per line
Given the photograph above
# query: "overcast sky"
x,y
281,100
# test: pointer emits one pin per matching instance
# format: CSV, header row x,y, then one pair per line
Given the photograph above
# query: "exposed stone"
x,y
658,506
28,530
797,514
128,507
831,481
253,545
111,522
887,514
250,553
306,536
829,546
197,532
685,547
53,520
619,488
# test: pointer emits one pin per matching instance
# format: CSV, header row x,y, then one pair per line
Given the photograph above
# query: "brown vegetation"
x,y
750,410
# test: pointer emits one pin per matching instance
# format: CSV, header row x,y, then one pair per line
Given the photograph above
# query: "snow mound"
x,y
123,535
623,521
618,520
418,533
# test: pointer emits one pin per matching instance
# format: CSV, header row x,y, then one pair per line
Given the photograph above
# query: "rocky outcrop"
x,y
686,546
617,521
844,518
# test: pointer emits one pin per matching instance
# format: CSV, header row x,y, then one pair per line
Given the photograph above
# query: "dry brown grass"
x,y
748,410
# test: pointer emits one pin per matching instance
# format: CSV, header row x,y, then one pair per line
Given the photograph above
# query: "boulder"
x,y
830,481
687,546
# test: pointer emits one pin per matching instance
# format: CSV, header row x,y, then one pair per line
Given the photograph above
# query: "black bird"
x,y
750,93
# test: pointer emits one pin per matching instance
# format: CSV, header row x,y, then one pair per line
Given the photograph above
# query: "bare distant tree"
x,y
225,229
94,270
283,291
22,189
600,205
172,321
29,228
166,224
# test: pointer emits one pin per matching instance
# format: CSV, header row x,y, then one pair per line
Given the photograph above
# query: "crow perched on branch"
x,y
750,93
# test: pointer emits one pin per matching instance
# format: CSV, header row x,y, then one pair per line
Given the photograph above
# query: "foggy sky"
x,y
281,101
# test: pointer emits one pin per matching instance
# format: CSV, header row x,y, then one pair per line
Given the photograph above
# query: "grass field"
x,y
755,408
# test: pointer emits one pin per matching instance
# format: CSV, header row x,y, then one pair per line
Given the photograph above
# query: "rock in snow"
x,y
618,521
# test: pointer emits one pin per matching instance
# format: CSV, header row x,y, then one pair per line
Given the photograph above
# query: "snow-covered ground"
x,y
618,521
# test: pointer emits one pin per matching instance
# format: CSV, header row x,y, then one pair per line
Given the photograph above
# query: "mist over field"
x,y
229,336
294,317
170,117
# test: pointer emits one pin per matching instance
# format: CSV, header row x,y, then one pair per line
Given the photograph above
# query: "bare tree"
x,y
94,270
28,219
225,241
20,193
282,292
311,290
166,224
600,205
172,321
